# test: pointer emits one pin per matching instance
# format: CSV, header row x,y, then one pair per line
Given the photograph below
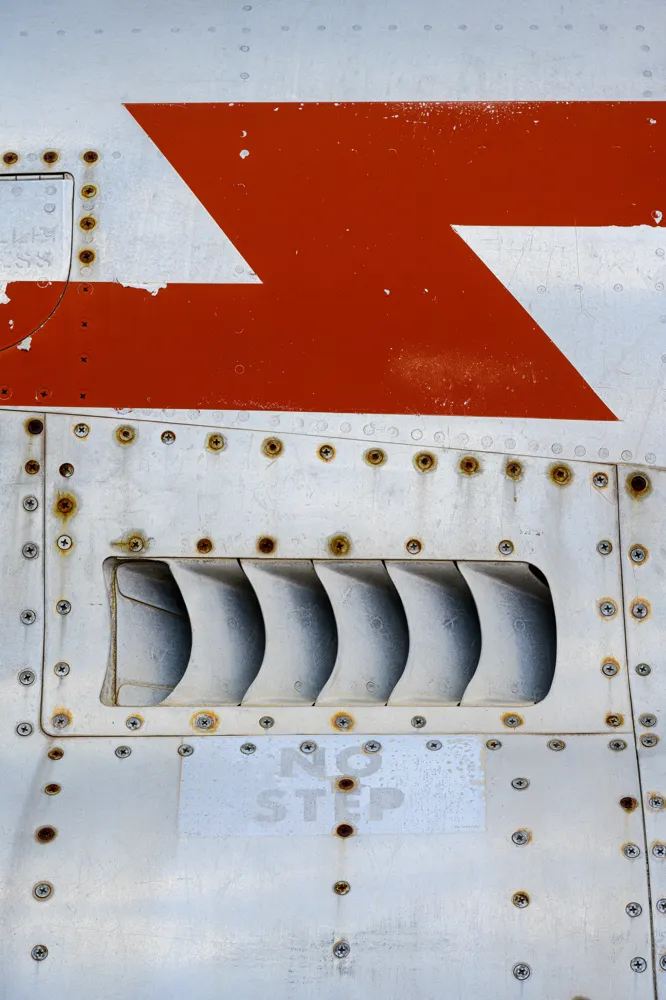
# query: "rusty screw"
x,y
135,543
65,505
81,430
637,554
30,550
339,545
32,467
326,452
90,156
520,899
505,547
30,503
600,480
9,159
614,720
413,546
609,668
266,545
66,470
514,470
52,789
638,484
561,475
341,888
86,256
272,447
55,753
42,890
125,434
343,722
28,616
35,426
63,607
424,461
215,442
494,744
26,677
135,722
88,191
204,545
61,669
604,547
469,465
87,223
375,456
60,721
168,437
344,830
45,834
50,156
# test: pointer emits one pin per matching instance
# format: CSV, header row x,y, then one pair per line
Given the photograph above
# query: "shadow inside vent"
x,y
295,632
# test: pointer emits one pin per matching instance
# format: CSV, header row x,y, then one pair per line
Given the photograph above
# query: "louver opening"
x,y
296,632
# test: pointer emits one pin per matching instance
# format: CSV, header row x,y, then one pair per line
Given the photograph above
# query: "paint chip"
x,y
657,216
25,344
4,298
149,286
243,153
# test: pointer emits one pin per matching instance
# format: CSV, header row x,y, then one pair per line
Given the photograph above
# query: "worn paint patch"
x,y
4,298
25,344
149,286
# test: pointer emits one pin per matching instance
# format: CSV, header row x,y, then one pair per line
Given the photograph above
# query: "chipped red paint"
x,y
370,301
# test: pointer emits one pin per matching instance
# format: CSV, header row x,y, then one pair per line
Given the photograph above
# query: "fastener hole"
x,y
628,802
45,834
469,465
639,485
204,545
344,830
345,784
272,447
266,545
52,789
125,434
35,426
425,462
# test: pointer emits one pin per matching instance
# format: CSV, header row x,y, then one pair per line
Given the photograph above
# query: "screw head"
x,y
613,720
61,669
643,669
638,964
433,745
125,434
343,722
522,971
26,677
326,452
60,720
425,462
661,905
81,430
631,851
609,668
64,542
633,909
637,554
39,952
24,728
656,802
341,888
505,547
647,719
649,740
520,899
308,746
341,949
272,447
520,783
608,609
63,607
168,437
375,456
493,744
248,748
122,752
135,543
372,746
66,470
42,890
659,850
662,963
266,722
339,545
600,480
215,442
28,617
134,722
556,745
639,610
521,837
30,503
185,750
413,546
617,745
512,721
30,550
418,721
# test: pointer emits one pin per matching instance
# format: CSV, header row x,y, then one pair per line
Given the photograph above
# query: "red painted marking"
x,y
334,205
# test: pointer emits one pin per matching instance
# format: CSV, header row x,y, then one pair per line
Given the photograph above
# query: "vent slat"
x,y
301,638
444,633
518,641
372,633
227,632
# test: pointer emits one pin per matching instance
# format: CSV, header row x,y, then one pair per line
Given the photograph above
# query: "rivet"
x,y
266,722
556,745
134,722
248,748
123,752
26,677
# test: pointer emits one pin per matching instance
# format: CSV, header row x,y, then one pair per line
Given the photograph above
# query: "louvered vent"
x,y
296,632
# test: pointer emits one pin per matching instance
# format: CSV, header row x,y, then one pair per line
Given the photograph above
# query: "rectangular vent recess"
x,y
300,632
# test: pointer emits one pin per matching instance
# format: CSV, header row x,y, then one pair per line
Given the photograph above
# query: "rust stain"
x,y
339,545
55,753
344,830
628,802
45,834
90,156
514,470
32,467
561,475
425,461
133,542
266,545
272,447
638,485
614,720
375,456
346,784
469,465
65,506
204,545
215,442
